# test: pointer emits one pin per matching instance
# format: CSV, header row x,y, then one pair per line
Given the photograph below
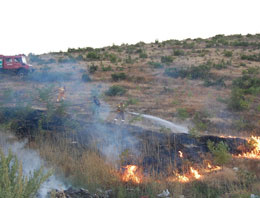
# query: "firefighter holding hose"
x,y
61,95
120,112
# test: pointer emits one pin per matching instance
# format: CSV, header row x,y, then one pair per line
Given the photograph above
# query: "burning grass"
x,y
254,143
132,173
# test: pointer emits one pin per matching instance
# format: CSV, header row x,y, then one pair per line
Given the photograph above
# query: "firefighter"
x,y
120,112
61,95
96,105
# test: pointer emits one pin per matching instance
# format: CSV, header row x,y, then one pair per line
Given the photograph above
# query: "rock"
x,y
235,169
254,196
165,193
181,196
74,193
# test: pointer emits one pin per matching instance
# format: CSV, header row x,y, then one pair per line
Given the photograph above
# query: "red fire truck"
x,y
16,64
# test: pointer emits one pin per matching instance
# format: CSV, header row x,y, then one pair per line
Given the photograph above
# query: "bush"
x,y
85,78
201,121
220,152
218,82
80,58
221,65
182,113
248,84
199,72
253,57
93,55
237,101
178,53
108,68
166,59
228,53
112,58
129,60
143,55
115,90
118,76
12,182
93,68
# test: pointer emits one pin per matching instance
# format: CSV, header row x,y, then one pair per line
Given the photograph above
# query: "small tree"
x,y
12,182
220,152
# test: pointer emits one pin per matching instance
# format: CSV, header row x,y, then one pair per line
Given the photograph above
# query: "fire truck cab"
x,y
16,64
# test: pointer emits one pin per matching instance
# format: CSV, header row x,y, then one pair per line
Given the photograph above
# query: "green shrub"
x,y
218,82
253,57
237,101
199,72
143,55
221,64
248,84
93,55
132,101
178,53
118,76
12,182
93,68
115,90
85,78
220,152
166,59
108,68
241,43
44,94
112,58
188,45
129,60
182,113
201,121
139,51
242,65
228,53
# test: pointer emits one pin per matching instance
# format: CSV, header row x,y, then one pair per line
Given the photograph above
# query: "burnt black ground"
x,y
152,149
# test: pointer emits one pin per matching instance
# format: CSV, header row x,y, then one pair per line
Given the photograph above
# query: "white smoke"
x,y
31,161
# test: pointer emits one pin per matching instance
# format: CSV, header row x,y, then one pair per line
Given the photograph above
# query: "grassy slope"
x,y
165,97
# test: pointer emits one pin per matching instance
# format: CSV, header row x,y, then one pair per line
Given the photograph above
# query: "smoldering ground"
x,y
31,161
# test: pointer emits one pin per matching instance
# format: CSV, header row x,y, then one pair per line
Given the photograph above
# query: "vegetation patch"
x,y
252,57
92,69
115,90
13,183
166,59
118,76
199,72
178,52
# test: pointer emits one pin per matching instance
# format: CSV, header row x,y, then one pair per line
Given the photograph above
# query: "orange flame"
x,y
131,174
211,168
195,173
180,154
255,153
182,178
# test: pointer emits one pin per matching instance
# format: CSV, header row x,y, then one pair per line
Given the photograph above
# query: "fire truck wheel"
x,y
21,73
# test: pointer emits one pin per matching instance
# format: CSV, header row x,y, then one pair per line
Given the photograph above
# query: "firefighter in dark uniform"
x,y
96,105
